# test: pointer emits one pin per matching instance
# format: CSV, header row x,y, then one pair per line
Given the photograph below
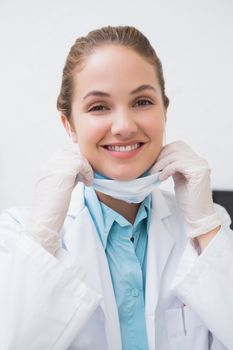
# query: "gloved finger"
x,y
164,161
175,147
193,169
170,152
62,161
172,168
85,173
67,163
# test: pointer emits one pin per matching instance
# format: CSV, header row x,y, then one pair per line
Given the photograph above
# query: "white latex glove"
x,y
52,195
191,175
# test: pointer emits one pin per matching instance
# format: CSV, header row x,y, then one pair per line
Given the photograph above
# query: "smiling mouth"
x,y
127,148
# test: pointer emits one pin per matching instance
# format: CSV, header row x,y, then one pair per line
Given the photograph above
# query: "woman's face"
x,y
118,116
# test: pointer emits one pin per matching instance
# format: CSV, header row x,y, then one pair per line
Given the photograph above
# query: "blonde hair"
x,y
84,46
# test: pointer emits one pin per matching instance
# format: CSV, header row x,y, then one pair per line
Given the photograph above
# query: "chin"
x,y
124,175
124,178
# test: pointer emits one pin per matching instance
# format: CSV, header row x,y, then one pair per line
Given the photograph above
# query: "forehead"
x,y
114,65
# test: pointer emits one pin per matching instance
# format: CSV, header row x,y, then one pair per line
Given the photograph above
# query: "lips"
x,y
123,148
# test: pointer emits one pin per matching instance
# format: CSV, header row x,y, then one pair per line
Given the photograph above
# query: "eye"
x,y
98,108
143,102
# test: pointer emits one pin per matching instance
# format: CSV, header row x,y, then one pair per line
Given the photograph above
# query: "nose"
x,y
124,124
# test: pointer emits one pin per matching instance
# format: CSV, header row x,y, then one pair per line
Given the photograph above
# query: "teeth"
x,y
123,148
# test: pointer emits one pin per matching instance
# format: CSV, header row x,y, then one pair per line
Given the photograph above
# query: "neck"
x,y
128,210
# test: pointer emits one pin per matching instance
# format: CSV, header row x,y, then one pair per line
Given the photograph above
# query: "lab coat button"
x,y
135,292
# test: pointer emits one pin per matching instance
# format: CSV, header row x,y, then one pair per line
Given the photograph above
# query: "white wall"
x,y
193,38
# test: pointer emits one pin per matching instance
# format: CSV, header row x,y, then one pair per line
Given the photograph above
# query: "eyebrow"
x,y
105,94
142,88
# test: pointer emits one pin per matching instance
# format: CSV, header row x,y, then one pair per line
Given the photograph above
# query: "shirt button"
x,y
135,292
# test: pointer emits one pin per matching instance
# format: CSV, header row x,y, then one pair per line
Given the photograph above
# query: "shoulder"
x,y
14,215
12,221
223,215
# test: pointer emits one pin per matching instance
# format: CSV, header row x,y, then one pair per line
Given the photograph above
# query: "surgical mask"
x,y
132,191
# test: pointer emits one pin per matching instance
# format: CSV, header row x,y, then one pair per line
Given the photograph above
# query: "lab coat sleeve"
x,y
43,301
205,282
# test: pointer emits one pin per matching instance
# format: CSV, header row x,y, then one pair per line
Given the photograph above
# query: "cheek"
x,y
89,132
155,128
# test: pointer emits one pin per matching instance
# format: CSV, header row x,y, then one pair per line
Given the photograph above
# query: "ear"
x,y
69,128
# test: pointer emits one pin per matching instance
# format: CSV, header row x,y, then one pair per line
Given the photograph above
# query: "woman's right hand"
x,y
60,175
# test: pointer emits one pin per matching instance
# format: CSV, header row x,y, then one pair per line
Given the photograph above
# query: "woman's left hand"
x,y
191,175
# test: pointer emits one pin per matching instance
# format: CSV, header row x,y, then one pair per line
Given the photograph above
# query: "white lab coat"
x,y
67,301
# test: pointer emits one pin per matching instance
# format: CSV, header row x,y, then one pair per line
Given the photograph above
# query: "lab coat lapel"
x,y
83,242
160,244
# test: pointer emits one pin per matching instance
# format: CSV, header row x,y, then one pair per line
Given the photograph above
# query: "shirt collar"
x,y
104,217
144,212
93,204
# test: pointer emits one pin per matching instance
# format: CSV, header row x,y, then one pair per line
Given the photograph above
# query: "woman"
x,y
119,264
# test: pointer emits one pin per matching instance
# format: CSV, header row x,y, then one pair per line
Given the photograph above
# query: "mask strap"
x,y
164,138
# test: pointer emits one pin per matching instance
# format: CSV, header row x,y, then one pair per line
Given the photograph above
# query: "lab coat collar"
x,y
160,245
77,202
159,204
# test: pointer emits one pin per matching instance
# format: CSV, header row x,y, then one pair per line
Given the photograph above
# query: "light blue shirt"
x,y
127,264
